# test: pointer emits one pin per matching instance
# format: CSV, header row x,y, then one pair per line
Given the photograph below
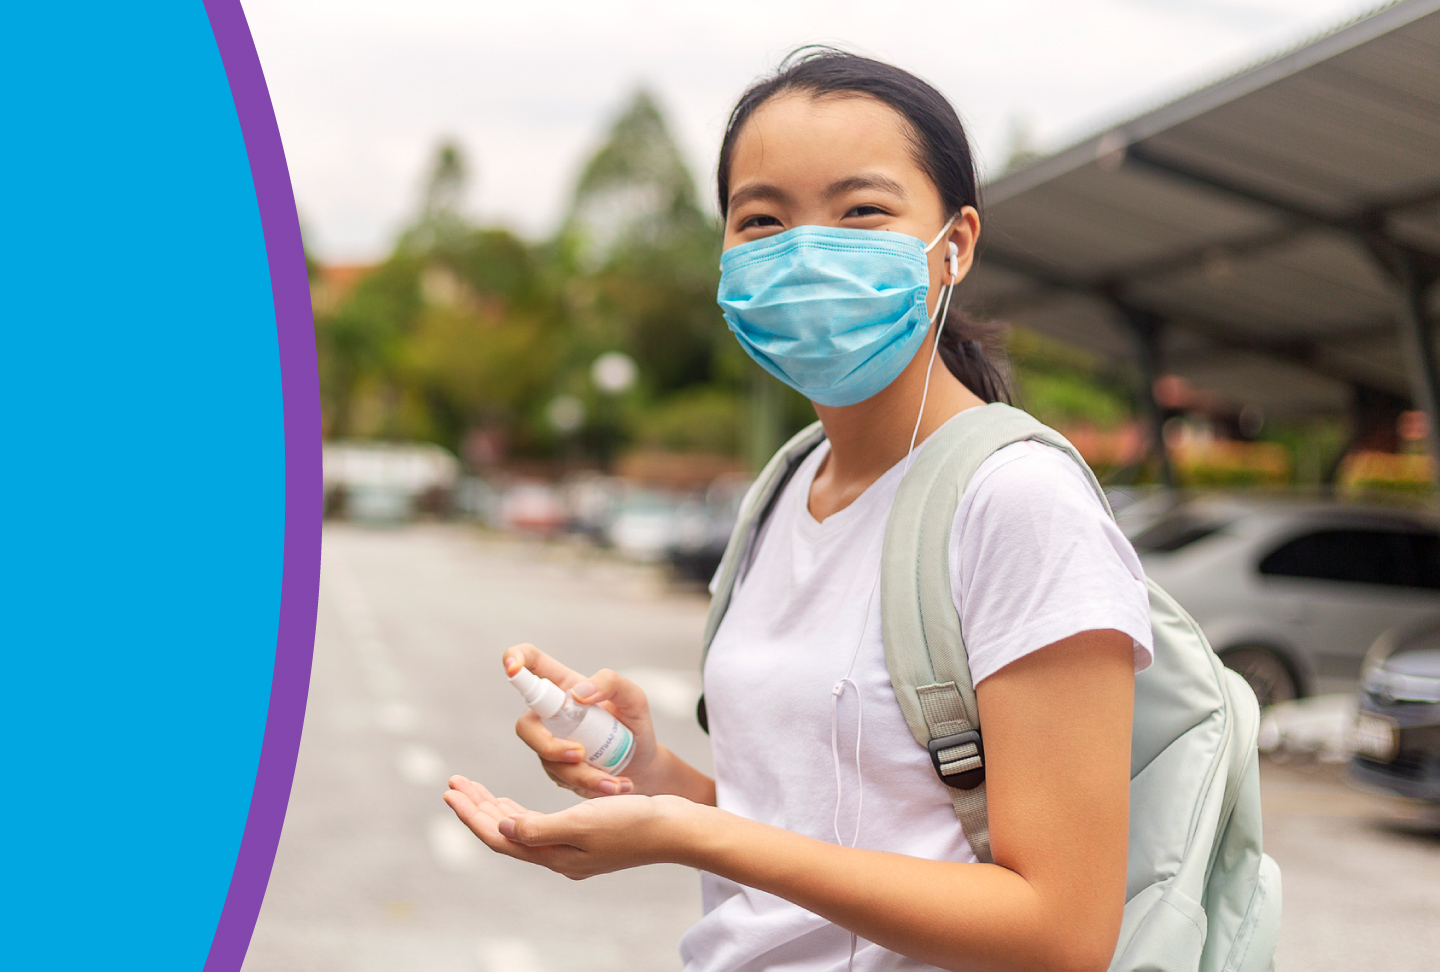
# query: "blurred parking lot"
x,y
373,873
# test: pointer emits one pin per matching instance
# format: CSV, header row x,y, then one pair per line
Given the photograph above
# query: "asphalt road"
x,y
374,874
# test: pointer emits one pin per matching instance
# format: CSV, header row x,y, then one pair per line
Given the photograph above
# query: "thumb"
x,y
532,829
609,686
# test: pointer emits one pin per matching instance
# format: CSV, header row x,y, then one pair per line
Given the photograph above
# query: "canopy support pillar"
x,y
1411,277
1146,328
1374,424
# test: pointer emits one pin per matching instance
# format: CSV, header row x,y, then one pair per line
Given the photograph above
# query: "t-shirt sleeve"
x,y
1034,558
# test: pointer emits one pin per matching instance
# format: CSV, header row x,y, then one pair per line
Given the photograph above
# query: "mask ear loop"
x,y
942,308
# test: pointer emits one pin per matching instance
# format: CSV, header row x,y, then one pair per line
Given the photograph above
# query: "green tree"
x,y
1062,385
361,342
466,326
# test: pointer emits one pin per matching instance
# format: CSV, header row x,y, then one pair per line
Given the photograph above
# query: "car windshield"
x,y
1177,530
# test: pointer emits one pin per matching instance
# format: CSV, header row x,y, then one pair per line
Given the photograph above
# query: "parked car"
x,y
702,533
591,500
1396,738
1292,594
643,524
533,507
388,482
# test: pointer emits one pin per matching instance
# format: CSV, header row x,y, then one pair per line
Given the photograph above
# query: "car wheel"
x,y
1266,673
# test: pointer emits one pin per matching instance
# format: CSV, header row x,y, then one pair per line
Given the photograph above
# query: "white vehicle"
x,y
644,525
1292,594
382,481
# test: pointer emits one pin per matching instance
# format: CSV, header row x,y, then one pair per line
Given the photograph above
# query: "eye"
x,y
860,212
755,222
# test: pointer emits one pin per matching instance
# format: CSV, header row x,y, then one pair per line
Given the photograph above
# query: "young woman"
x,y
834,175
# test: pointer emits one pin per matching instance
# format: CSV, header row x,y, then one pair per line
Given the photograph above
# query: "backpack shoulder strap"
x,y
758,503
924,648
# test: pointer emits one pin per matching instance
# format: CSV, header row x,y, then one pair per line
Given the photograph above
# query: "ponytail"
x,y
974,351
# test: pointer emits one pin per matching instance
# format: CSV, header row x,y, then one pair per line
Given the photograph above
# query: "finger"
x,y
487,828
537,829
475,791
580,791
547,745
625,697
484,801
539,663
586,779
478,795
481,824
510,807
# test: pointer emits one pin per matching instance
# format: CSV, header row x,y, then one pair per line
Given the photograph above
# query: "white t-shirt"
x,y
1033,559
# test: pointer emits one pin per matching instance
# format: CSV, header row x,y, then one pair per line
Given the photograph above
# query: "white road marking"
x,y
508,955
452,844
671,691
421,766
384,678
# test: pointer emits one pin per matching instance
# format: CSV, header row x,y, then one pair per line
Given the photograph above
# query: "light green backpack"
x,y
1200,893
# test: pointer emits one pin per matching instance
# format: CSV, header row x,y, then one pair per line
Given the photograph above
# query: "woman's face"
x,y
838,160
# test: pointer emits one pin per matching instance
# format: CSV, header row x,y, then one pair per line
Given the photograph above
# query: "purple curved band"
x,y
300,582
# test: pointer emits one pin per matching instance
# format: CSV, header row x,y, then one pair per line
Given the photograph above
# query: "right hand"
x,y
564,760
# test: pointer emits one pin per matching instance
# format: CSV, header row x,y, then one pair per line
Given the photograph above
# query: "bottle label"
x,y
613,750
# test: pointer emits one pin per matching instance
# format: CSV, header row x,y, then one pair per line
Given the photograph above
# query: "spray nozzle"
x,y
543,696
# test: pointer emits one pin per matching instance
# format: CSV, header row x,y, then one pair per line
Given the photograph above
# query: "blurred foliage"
x,y
469,329
1365,473
1064,386
698,419
1231,464
1316,446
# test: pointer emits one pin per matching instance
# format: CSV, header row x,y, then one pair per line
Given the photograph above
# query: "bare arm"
x,y
1057,744
1057,740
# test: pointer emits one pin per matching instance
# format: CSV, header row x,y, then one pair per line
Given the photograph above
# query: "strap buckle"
x,y
959,759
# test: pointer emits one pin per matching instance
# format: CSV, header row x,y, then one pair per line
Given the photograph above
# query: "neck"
x,y
870,437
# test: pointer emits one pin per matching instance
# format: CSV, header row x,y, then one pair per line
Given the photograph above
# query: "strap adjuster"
x,y
959,759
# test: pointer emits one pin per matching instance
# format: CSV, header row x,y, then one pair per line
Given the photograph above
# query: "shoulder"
x,y
1035,557
1024,481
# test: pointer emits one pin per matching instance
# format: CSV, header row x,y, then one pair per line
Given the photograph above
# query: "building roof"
x,y
1246,216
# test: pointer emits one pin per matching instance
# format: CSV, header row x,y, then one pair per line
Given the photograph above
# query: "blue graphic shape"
x,y
145,485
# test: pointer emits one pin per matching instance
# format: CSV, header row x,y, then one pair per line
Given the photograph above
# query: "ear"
x,y
963,237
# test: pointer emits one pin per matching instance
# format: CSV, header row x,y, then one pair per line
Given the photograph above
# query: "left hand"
x,y
595,837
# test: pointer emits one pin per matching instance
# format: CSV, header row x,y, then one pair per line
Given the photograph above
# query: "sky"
x,y
365,90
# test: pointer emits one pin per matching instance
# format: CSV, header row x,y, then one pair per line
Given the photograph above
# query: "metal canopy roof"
x,y
1272,237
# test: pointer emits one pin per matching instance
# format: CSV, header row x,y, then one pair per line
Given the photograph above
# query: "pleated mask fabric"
x,y
834,313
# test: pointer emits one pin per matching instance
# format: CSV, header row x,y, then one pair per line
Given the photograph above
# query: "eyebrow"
x,y
770,193
759,191
866,181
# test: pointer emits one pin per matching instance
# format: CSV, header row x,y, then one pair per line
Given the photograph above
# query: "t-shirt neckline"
x,y
842,519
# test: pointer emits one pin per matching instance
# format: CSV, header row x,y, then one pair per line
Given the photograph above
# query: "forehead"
x,y
798,135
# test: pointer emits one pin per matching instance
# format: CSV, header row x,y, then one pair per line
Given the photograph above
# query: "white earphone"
x,y
954,261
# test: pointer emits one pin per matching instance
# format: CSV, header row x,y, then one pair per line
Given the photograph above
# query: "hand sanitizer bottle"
x,y
608,743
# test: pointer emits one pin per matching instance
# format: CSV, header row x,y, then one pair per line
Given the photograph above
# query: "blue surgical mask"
x,y
834,313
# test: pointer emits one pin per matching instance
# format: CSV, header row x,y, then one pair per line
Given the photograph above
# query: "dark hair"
x,y
972,350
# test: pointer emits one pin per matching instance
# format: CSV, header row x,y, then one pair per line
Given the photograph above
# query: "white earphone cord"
x,y
944,305
943,308
836,692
